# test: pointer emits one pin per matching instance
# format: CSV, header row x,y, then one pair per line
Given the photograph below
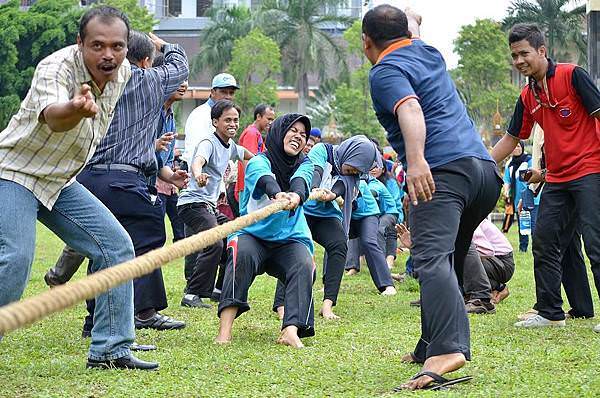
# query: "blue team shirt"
x,y
385,200
279,227
412,69
366,205
315,208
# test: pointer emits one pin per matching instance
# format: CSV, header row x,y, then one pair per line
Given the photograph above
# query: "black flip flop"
x,y
438,383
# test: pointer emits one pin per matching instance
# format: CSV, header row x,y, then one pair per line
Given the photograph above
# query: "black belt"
x,y
116,166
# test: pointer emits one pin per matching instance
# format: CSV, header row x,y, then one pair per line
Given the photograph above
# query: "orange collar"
x,y
393,47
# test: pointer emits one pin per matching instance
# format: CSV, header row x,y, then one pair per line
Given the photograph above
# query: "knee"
x,y
339,246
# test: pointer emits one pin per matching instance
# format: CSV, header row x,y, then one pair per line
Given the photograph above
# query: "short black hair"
x,y
140,47
384,23
527,31
260,109
221,106
106,14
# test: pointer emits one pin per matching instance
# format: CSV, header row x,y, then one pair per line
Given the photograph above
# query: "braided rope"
x,y
25,312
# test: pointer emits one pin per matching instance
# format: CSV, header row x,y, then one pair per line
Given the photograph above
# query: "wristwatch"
x,y
543,173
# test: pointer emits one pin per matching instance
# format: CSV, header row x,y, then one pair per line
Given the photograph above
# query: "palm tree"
x,y
216,41
297,26
562,26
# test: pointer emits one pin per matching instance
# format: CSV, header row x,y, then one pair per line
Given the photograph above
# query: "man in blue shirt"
x,y
451,180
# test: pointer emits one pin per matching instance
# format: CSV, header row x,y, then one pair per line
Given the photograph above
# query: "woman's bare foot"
x,y
389,291
280,312
439,364
289,337
398,277
223,339
351,271
327,310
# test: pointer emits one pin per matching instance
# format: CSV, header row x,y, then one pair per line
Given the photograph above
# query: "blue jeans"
x,y
86,225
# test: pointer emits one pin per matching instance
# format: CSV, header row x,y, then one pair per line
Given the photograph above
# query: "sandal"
x,y
438,382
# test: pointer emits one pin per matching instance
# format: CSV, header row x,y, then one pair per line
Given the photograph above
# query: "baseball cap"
x,y
315,132
223,80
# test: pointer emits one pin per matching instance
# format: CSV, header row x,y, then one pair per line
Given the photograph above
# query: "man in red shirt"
x,y
565,102
252,139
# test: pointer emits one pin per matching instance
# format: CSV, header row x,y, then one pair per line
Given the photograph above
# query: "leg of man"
x,y
552,223
198,217
292,263
499,269
575,280
380,273
586,191
475,280
176,222
67,264
246,255
17,239
466,191
87,226
190,259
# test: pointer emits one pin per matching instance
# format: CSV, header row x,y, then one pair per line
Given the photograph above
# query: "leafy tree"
x,y
256,60
296,25
483,72
352,106
217,40
28,37
140,18
563,26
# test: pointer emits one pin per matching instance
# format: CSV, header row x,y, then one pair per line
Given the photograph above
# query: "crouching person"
x,y
281,244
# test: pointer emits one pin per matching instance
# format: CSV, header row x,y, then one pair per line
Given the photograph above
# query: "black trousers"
x,y
289,262
329,233
442,229
560,204
127,196
366,230
201,273
386,234
169,207
481,274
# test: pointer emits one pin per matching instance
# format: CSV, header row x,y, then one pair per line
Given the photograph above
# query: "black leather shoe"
x,y
159,322
127,362
196,302
86,334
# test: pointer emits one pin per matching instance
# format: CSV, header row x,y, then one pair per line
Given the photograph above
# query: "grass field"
x,y
357,356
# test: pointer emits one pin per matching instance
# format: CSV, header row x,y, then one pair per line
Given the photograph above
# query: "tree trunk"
x,y
302,87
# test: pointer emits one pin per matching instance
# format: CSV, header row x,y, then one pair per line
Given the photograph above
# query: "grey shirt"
x,y
217,155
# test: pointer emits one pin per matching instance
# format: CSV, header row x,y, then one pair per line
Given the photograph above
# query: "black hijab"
x,y
282,164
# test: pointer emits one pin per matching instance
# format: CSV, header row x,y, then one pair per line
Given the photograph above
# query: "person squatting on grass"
x,y
565,102
63,118
338,169
451,179
281,244
197,204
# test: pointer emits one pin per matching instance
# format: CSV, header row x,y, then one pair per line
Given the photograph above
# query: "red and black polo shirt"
x,y
572,136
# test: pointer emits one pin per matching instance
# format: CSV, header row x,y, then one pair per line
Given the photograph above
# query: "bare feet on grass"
x,y
351,271
225,325
439,364
327,310
399,277
289,337
408,358
499,296
280,312
390,261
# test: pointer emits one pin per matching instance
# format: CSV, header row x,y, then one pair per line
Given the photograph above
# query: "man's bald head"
x,y
385,23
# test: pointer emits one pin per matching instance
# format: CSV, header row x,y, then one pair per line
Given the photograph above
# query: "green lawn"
x,y
356,356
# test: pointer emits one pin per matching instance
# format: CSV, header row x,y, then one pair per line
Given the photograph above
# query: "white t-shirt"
x,y
217,155
197,125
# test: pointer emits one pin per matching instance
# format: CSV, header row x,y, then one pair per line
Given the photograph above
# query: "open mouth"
x,y
107,68
231,131
295,144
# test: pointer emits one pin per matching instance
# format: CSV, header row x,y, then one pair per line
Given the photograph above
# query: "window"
x,y
202,6
174,8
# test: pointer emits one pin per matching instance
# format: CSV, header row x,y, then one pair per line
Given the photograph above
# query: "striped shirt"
x,y
130,137
44,161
